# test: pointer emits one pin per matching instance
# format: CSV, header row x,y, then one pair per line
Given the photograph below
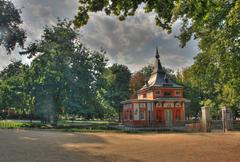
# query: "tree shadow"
x,y
52,146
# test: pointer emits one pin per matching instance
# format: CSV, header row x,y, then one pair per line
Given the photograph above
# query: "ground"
x,y
53,146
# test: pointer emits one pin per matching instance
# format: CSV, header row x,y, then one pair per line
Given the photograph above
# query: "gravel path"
x,y
51,146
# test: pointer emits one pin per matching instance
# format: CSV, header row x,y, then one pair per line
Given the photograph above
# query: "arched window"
x,y
159,104
178,104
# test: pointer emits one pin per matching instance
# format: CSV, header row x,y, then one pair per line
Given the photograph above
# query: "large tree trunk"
x,y
57,106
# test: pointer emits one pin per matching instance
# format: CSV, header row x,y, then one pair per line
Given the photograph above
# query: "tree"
x,y
118,77
124,8
139,78
191,91
12,86
147,71
66,76
10,31
203,19
136,82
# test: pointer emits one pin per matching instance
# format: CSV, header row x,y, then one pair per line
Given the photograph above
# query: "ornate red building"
x,y
159,102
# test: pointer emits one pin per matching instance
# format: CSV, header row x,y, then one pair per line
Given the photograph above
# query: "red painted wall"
x,y
159,116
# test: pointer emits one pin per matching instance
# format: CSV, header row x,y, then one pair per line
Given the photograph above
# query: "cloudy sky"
x,y
131,42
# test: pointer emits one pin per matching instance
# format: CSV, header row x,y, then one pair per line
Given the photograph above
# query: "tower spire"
x,y
157,54
157,65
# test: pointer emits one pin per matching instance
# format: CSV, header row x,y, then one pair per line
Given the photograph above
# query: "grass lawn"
x,y
70,126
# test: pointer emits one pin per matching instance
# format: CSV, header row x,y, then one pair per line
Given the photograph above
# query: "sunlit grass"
x,y
13,124
64,125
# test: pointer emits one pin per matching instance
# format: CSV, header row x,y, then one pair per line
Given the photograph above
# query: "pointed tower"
x,y
159,76
157,64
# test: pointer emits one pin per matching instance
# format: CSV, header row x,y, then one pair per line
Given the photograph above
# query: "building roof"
x,y
169,99
136,100
159,77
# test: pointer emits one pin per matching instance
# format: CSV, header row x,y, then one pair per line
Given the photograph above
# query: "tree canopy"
x,y
11,32
203,19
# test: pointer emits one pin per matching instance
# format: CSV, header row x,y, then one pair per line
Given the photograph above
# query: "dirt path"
x,y
49,146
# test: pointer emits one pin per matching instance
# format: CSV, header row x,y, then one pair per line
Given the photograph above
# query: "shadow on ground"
x,y
50,146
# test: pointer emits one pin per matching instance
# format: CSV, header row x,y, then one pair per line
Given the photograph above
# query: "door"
x,y
168,118
150,114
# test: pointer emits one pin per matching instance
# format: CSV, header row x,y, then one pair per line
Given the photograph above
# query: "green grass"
x,y
86,125
66,126
75,126
82,123
13,124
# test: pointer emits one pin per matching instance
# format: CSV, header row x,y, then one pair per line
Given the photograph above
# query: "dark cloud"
x,y
131,42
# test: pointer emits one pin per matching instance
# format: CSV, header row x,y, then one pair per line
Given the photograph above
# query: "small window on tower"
x,y
167,93
178,93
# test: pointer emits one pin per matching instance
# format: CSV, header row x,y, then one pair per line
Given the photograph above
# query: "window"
x,y
178,104
142,115
135,111
159,104
167,93
168,105
149,95
178,93
142,105
157,93
144,95
131,115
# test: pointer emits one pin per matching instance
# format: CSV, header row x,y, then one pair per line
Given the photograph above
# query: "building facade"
x,y
159,103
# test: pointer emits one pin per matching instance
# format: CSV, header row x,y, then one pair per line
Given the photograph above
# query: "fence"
x,y
216,125
236,125
187,125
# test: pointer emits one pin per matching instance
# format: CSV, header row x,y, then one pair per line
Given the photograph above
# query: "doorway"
x,y
150,114
168,118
